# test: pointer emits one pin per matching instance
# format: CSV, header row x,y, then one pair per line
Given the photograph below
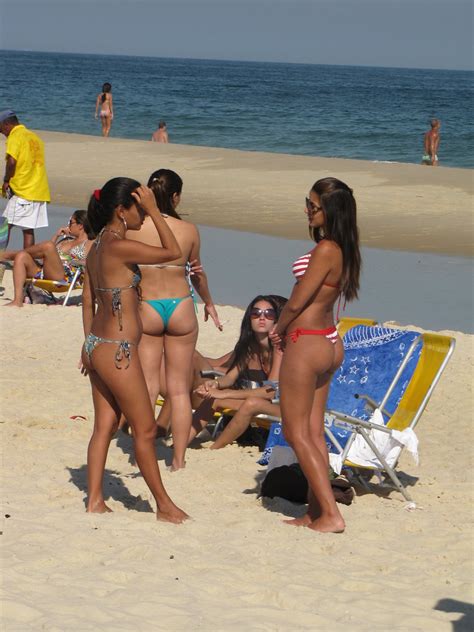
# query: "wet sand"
x,y
401,206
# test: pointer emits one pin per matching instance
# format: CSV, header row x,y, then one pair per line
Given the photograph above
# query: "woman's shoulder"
x,y
327,247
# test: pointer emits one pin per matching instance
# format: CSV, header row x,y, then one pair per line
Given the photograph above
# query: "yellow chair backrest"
x,y
434,355
346,323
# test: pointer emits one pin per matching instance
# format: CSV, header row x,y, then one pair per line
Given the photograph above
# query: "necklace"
x,y
114,233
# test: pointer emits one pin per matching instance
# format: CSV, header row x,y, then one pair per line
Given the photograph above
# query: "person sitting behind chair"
x,y
249,385
57,254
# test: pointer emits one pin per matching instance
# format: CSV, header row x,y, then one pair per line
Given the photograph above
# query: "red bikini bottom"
x,y
330,333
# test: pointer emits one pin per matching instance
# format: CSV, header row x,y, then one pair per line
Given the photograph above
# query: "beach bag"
x,y
289,482
37,296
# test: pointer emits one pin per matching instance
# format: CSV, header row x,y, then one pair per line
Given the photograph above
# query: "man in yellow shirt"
x,y
25,182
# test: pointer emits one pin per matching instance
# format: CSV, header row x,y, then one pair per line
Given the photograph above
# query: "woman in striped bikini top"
x,y
313,350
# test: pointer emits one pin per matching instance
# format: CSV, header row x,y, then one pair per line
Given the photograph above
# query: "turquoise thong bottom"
x,y
166,306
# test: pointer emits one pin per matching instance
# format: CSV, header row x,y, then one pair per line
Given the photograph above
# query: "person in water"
x,y
313,349
113,328
104,108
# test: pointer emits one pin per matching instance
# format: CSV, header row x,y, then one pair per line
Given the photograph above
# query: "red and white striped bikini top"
x,y
300,265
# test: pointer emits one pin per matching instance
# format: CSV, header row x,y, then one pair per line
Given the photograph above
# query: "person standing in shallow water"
x,y
160,135
313,350
113,328
431,144
105,109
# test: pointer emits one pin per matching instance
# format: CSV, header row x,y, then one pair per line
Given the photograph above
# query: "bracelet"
x,y
216,381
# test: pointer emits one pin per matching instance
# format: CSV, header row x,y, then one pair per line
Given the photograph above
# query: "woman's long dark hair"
x,y
103,202
340,211
247,343
80,217
165,183
107,87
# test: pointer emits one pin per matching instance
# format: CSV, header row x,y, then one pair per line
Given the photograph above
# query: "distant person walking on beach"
x,y
113,329
431,144
313,350
160,135
25,182
105,103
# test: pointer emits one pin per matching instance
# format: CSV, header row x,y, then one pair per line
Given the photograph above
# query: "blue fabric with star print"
x,y
372,358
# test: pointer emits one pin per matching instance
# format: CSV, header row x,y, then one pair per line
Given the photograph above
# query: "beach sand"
x,y
401,206
235,566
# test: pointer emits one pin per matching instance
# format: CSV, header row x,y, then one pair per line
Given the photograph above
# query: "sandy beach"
x,y
236,565
401,206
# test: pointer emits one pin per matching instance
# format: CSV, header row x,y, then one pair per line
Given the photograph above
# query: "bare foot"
x,y
172,514
177,465
334,524
13,304
304,521
98,507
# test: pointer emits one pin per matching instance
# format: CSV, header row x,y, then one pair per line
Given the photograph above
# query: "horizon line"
x,y
244,61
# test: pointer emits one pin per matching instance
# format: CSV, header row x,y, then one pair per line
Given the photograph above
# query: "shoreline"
x,y
264,192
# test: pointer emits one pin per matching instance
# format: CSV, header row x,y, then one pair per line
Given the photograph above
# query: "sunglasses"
x,y
268,313
71,222
311,207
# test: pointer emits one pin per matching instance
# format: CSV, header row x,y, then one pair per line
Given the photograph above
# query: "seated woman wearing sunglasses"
x,y
56,256
250,383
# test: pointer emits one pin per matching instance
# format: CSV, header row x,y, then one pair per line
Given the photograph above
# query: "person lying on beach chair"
x,y
249,385
52,259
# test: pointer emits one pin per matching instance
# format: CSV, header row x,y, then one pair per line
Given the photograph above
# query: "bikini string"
x,y
123,352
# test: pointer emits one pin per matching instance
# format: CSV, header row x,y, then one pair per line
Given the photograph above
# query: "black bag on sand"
x,y
289,482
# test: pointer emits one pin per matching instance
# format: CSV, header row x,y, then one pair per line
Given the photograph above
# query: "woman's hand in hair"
x,y
145,199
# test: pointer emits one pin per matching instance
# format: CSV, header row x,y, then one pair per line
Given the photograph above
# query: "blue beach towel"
x,y
372,356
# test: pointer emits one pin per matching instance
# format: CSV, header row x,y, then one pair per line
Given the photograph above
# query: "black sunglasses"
x,y
311,207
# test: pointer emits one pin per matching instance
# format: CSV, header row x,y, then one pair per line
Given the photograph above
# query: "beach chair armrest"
x,y
371,403
348,422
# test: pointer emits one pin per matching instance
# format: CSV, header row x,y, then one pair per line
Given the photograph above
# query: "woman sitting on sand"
x,y
250,383
113,328
168,313
313,350
57,256
105,103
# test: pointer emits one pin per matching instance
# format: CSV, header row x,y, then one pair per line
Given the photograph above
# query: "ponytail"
x,y
103,202
165,183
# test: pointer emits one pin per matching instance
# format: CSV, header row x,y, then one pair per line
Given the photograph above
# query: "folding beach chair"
x,y
378,394
54,287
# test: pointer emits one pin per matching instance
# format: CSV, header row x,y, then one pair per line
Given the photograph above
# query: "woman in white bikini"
x,y
312,347
105,103
52,259
168,311
112,327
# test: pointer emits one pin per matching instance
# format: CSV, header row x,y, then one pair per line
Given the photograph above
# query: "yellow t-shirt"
x,y
29,181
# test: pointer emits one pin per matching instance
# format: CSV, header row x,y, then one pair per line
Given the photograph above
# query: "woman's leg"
x,y
180,342
24,266
150,351
205,412
129,390
304,383
242,418
106,416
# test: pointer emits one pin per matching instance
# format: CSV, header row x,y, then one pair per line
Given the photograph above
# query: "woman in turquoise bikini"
x,y
312,347
113,328
168,310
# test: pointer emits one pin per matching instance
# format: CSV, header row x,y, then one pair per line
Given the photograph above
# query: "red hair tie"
x,y
97,195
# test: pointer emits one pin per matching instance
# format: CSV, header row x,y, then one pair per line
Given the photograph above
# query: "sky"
x,y
398,33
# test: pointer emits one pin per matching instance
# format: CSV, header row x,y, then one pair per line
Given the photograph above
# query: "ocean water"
x,y
423,289
337,111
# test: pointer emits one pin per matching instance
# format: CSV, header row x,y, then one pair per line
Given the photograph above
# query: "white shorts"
x,y
25,213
